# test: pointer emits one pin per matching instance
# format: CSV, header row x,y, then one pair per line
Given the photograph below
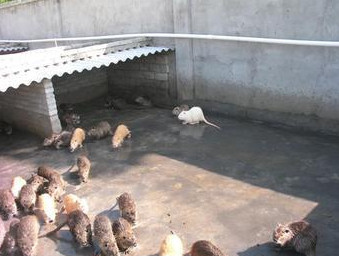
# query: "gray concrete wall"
x,y
31,108
152,76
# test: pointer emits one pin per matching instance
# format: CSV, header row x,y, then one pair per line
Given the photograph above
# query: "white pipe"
x,y
186,36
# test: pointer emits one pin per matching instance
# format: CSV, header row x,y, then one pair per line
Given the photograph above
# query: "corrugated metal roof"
x,y
34,66
9,50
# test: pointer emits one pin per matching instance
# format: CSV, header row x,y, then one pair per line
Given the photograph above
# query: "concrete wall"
x,y
153,75
31,108
80,87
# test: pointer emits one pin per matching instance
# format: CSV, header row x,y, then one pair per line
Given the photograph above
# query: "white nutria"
x,y
16,186
47,209
171,246
72,203
194,116
298,235
119,136
78,138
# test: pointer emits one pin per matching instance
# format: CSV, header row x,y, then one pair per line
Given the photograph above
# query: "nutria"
x,y
78,138
124,234
143,101
46,207
5,128
298,235
56,186
58,139
27,198
119,136
101,130
205,248
84,167
2,232
7,204
80,227
27,235
171,246
9,246
16,186
103,237
37,182
72,202
177,110
71,120
115,103
127,207
194,116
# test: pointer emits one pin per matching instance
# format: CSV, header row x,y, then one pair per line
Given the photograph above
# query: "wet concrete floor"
x,y
230,186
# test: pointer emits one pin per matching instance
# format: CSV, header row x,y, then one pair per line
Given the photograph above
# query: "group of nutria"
x,y
40,199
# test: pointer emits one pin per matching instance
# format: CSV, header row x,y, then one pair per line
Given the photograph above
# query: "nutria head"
x,y
182,115
282,235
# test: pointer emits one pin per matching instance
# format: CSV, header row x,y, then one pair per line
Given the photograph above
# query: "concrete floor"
x,y
230,186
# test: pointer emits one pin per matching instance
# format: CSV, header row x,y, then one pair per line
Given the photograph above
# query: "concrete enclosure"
x,y
295,85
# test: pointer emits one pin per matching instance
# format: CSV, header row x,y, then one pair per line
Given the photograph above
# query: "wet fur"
x,y
78,138
8,206
119,136
124,234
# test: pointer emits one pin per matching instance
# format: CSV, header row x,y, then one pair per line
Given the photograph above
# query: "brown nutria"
x,y
50,140
56,186
72,202
37,182
2,232
205,248
298,235
27,235
103,237
124,234
9,246
127,207
8,207
27,198
101,130
58,140
177,110
80,227
78,138
84,167
5,128
115,103
16,186
119,136
46,207
71,120
171,246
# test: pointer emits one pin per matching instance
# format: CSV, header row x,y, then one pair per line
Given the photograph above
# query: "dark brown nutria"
x,y
7,204
177,110
101,130
9,246
80,227
103,237
56,186
128,208
27,235
298,235
27,198
49,173
205,248
124,234
2,233
84,167
5,128
37,182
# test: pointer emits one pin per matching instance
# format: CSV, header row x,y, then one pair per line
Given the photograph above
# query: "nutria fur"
x,y
115,103
27,235
101,130
72,202
71,120
58,140
205,248
124,234
78,138
84,167
46,207
16,186
27,198
143,101
299,235
37,182
171,246
7,204
2,232
9,246
103,237
177,110
56,186
128,208
119,136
